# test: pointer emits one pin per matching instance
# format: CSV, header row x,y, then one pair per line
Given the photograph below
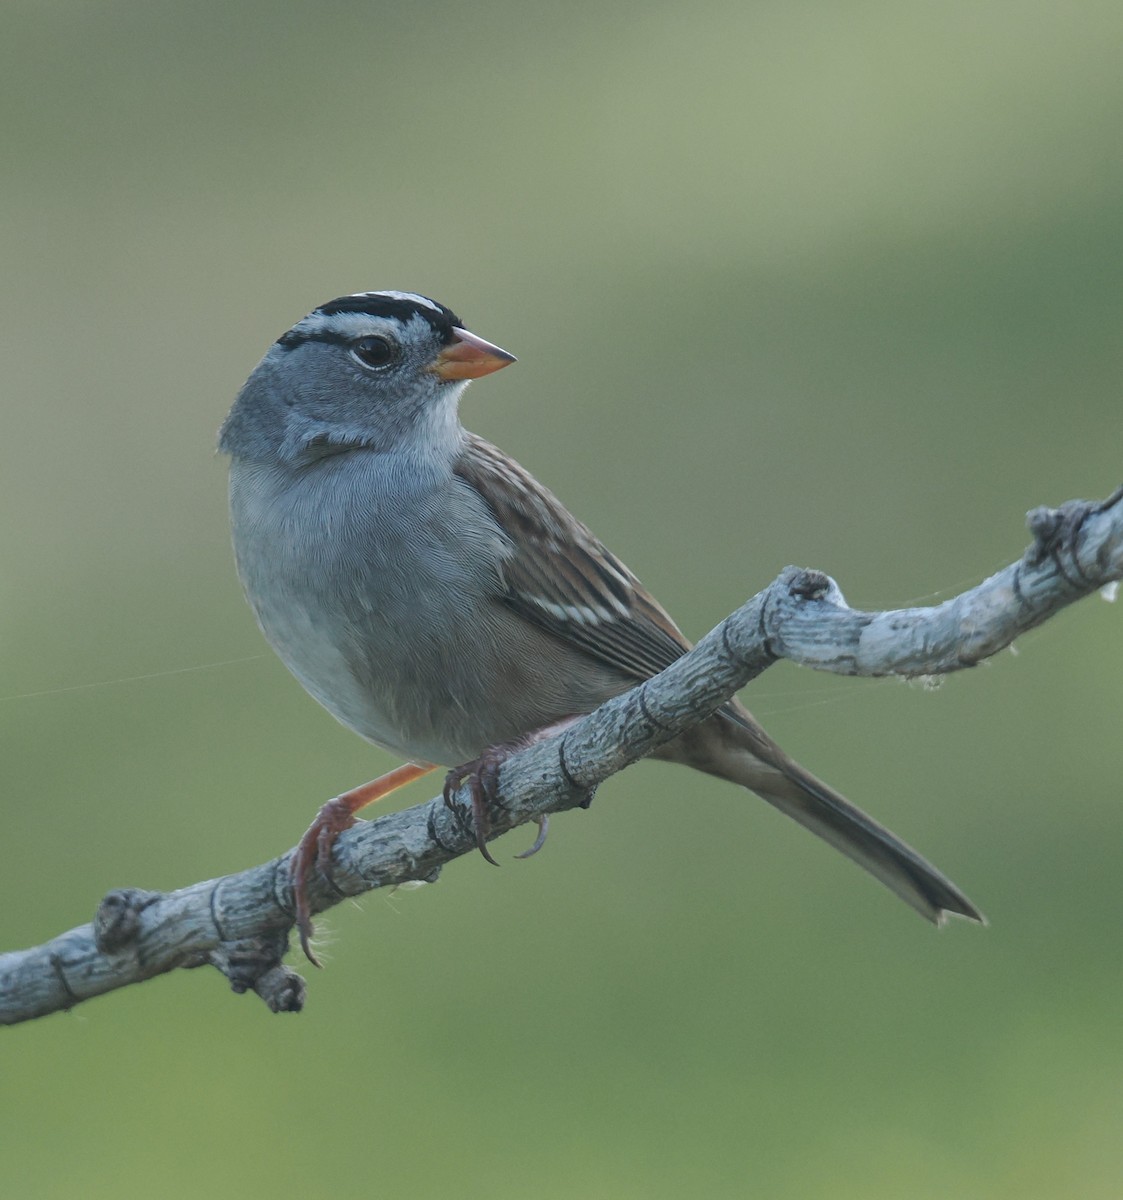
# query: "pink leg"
x,y
315,846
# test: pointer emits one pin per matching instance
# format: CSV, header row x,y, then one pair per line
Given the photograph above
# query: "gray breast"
x,y
378,584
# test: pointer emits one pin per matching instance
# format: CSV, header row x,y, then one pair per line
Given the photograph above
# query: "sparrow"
x,y
434,597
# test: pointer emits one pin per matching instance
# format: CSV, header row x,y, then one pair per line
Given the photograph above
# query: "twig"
x,y
241,923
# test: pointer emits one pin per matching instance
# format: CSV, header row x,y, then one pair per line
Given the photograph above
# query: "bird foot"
x,y
482,776
315,846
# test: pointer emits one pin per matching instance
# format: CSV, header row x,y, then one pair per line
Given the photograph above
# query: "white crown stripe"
x,y
408,297
342,324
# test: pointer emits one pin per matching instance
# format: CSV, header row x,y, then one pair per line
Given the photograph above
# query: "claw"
x,y
540,840
480,819
480,775
319,838
315,847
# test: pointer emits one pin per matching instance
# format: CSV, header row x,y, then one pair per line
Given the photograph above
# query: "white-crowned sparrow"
x,y
438,600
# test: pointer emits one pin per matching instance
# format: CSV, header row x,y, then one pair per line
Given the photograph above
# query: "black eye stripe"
x,y
297,337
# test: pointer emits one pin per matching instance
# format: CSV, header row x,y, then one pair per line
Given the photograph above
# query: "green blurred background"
x,y
827,283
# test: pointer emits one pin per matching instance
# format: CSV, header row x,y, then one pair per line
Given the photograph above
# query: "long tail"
x,y
822,810
739,750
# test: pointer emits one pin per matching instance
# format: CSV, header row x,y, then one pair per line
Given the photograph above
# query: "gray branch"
x,y
241,923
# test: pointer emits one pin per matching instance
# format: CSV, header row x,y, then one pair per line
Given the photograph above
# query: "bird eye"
x,y
374,351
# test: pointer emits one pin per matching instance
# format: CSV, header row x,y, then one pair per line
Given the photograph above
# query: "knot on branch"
x,y
255,963
1056,533
117,920
282,989
1057,537
804,584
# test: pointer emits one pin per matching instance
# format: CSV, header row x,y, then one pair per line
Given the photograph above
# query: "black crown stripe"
x,y
374,304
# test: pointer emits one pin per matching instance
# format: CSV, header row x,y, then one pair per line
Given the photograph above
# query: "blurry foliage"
x,y
835,284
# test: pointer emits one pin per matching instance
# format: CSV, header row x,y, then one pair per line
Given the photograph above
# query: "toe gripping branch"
x,y
316,845
482,777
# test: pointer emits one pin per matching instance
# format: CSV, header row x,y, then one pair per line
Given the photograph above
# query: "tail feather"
x,y
735,747
819,808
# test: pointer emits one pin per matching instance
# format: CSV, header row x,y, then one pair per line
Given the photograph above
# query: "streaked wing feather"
x,y
562,578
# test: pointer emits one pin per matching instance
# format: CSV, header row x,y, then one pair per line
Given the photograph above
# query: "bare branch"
x,y
241,923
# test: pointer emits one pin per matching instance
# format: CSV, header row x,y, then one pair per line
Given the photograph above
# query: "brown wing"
x,y
559,575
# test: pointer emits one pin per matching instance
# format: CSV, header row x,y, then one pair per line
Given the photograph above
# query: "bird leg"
x,y
316,844
482,777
